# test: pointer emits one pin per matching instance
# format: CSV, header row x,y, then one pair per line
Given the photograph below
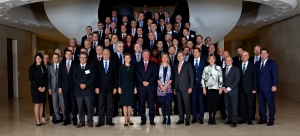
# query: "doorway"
x,y
10,68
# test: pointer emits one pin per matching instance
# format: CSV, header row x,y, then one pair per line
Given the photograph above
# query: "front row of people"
x,y
74,84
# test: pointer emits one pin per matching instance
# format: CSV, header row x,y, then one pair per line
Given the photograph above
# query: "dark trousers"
x,y
70,106
254,106
96,102
222,105
50,102
136,104
263,98
108,96
231,103
175,105
149,95
116,99
197,99
246,105
85,103
183,98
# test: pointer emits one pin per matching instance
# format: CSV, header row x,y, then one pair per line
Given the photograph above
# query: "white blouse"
x,y
215,73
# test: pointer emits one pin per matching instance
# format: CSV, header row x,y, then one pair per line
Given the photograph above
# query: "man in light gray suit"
x,y
57,97
184,83
231,80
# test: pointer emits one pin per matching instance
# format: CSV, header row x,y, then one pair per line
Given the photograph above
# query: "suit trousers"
x,y
183,98
263,98
149,95
246,105
231,103
108,96
70,106
87,102
58,99
197,99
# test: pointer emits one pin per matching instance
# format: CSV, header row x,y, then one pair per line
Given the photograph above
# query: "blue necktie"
x,y
151,44
262,65
196,65
121,58
105,67
82,68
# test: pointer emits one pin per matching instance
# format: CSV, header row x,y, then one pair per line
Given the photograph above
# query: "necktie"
x,y
262,65
146,66
121,58
172,59
132,32
227,70
179,67
105,67
68,66
55,69
82,68
151,44
95,45
107,26
244,68
196,65
162,29
99,59
167,20
256,59
138,58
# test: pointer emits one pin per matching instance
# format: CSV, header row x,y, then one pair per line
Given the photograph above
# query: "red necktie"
x,y
167,21
99,59
146,66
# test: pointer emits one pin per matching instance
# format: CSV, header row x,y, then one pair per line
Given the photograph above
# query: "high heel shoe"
x,y
125,124
129,122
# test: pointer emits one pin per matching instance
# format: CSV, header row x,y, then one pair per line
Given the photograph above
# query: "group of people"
x,y
157,60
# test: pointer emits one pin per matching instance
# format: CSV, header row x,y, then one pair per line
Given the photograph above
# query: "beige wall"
x,y
24,59
282,40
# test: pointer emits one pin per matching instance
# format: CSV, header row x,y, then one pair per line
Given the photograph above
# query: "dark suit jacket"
x,y
186,75
87,77
204,50
106,81
116,59
82,40
248,81
120,35
148,15
147,45
92,54
150,76
192,36
100,39
76,54
65,78
145,27
36,79
252,59
198,72
236,60
117,31
268,76
175,61
163,31
133,59
232,80
111,49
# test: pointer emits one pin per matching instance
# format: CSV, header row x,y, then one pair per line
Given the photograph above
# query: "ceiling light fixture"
x,y
254,23
25,1
7,18
1,15
283,7
50,27
272,17
264,20
26,23
265,0
2,8
16,21
277,4
279,15
284,11
10,4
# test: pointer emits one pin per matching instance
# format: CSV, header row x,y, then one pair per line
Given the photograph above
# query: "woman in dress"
x,y
127,87
164,88
212,82
38,77
128,43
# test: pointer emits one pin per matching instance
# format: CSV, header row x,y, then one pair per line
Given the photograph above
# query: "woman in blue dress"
x,y
164,88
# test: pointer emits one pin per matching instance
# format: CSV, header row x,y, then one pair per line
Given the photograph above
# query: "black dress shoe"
x,y
180,122
152,123
201,122
99,124
262,122
56,121
249,122
74,123
66,123
209,121
194,121
224,117
241,122
187,123
270,123
110,124
142,123
135,114
228,122
39,125
233,125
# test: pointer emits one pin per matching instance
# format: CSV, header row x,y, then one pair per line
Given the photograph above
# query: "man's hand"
x,y
220,90
97,90
82,86
190,90
43,89
204,90
145,83
253,91
174,92
50,92
135,91
115,91
225,90
60,90
40,89
120,90
274,88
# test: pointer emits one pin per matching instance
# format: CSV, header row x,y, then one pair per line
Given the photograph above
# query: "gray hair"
x,y
179,16
146,50
73,39
106,50
119,42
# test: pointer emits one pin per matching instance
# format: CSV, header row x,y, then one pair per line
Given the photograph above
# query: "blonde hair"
x,y
211,56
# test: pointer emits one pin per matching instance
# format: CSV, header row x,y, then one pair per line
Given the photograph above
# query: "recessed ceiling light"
x,y
279,14
1,15
264,20
16,21
50,27
265,0
283,7
7,18
272,17
10,4
2,8
254,22
25,1
277,4
284,11
26,23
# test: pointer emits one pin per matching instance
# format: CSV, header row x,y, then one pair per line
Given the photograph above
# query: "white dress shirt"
x,y
107,61
198,59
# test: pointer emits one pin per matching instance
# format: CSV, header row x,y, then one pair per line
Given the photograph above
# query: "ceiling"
x,y
31,15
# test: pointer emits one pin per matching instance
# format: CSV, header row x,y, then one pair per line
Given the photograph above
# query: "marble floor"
x,y
17,118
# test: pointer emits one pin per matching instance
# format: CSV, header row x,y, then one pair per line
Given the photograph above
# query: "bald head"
x,y
228,61
245,56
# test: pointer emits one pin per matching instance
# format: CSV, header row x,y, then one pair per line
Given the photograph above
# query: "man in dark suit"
x,y
189,36
107,23
231,78
150,43
192,34
206,45
172,55
142,21
95,41
133,29
113,28
147,13
136,56
126,23
139,34
199,40
122,34
169,31
83,79
247,87
212,50
167,41
198,62
167,17
115,18
146,72
66,87
178,20
101,33
237,59
88,30
106,86
183,72
112,47
75,51
187,54
161,26
91,52
267,79
161,11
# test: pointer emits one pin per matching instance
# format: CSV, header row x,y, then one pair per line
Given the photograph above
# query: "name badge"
x,y
87,72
